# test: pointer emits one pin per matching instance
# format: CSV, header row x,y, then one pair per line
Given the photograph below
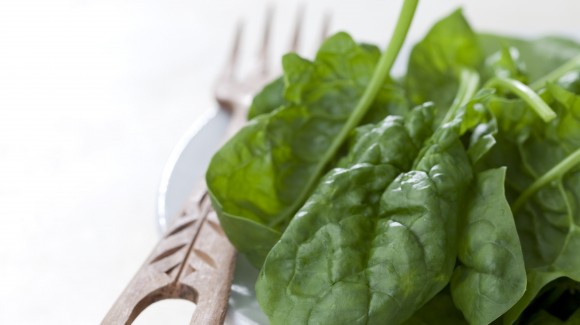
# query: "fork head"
x,y
235,94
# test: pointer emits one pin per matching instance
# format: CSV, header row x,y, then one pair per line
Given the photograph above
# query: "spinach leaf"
x,y
377,239
574,319
559,298
542,186
439,310
478,124
258,178
383,229
539,57
542,317
268,99
505,63
264,174
491,277
435,62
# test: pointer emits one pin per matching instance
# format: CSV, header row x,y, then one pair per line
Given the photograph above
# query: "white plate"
x,y
185,168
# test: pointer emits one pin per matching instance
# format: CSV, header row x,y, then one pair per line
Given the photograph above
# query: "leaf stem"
x,y
380,74
556,172
525,93
468,85
384,66
556,74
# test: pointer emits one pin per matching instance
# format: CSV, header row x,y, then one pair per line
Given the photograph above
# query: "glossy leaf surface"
x,y
262,175
377,239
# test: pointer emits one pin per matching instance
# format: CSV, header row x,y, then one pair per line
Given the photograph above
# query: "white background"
x,y
94,95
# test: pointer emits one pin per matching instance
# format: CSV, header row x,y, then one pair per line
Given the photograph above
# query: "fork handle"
x,y
194,261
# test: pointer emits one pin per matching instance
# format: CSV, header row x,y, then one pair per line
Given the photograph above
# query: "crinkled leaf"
x,y
261,177
548,223
491,277
376,240
515,121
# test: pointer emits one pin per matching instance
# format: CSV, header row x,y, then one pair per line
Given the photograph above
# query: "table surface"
x,y
93,97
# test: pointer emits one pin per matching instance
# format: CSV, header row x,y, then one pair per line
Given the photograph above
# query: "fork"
x,y
194,259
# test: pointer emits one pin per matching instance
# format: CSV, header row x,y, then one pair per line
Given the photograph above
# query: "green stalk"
x,y
381,72
558,171
468,84
384,67
525,93
572,64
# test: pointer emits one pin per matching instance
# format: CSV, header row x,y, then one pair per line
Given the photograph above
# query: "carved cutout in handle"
x,y
193,261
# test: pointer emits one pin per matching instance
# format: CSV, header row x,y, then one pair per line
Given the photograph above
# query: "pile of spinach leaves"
x,y
450,195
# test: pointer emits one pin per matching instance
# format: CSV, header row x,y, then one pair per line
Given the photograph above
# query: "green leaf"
x,y
276,161
479,124
260,177
544,318
547,218
269,99
491,277
538,57
505,63
377,238
439,310
574,319
559,298
435,62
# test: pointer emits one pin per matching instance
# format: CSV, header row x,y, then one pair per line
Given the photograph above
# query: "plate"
x,y
185,168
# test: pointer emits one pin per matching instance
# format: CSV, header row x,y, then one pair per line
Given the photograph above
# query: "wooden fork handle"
x,y
194,261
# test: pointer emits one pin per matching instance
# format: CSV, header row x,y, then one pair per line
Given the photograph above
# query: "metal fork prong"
x,y
230,67
264,54
297,28
325,27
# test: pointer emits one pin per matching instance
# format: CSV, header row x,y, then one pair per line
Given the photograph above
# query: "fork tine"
x,y
229,68
297,28
325,26
264,54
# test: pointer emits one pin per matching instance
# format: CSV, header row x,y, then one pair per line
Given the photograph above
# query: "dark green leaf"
x,y
574,319
377,239
560,298
491,277
437,311
261,177
435,62
269,99
542,317
480,125
548,221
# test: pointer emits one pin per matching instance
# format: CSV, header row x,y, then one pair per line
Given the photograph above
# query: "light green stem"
x,y
525,93
380,74
553,174
572,64
468,84
384,67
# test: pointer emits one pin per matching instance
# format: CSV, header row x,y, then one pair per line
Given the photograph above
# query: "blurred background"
x,y
95,94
